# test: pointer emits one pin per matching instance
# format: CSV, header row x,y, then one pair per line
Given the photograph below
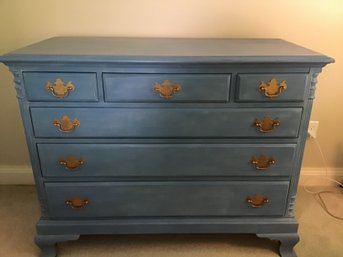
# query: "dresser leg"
x,y
47,243
287,242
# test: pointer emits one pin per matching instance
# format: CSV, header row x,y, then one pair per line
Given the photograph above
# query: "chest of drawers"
x,y
137,136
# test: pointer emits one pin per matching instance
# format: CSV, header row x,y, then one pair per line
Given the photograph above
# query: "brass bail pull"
x,y
58,89
257,200
77,202
167,90
273,88
66,125
72,163
267,124
263,162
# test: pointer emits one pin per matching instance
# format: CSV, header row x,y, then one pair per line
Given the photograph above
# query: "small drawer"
x,y
166,87
60,86
166,122
271,87
165,160
173,198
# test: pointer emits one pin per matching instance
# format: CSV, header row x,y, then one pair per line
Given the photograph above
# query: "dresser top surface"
x,y
108,49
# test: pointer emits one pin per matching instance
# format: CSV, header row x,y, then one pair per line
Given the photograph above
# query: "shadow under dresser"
x,y
151,136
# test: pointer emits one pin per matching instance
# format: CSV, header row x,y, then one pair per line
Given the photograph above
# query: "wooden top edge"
x,y
114,49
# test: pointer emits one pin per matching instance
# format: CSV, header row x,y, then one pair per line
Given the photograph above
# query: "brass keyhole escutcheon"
x,y
167,90
58,89
66,125
257,200
71,163
267,124
273,88
263,162
76,202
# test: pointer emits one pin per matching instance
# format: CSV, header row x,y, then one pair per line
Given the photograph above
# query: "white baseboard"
x,y
22,175
320,176
16,175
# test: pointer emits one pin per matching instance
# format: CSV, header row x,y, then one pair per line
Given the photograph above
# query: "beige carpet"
x,y
320,234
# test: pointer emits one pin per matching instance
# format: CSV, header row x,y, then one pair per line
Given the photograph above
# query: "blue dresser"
x,y
152,136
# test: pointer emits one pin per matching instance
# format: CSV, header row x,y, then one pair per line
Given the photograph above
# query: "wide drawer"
x,y
166,87
271,87
166,160
187,198
165,122
60,86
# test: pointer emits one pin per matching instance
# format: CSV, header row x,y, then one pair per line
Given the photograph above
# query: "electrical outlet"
x,y
313,128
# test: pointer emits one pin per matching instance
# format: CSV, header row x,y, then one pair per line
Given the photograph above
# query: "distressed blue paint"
x,y
248,87
178,50
166,122
85,86
156,199
177,160
157,166
139,87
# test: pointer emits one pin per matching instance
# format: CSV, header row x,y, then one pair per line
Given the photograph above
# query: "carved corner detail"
x,y
291,205
313,85
18,83
43,205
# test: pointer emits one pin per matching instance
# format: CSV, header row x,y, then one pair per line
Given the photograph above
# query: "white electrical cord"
x,y
319,193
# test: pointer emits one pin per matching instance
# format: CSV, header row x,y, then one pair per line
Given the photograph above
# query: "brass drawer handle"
x,y
66,125
58,89
77,202
273,88
72,163
267,124
262,163
257,200
167,90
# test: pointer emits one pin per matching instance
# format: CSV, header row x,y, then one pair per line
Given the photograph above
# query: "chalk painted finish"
x,y
216,152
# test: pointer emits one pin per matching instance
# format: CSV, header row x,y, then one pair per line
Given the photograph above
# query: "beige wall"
x,y
317,24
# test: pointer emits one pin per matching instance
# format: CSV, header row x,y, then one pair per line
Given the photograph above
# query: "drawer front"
x,y
192,87
47,86
165,160
187,198
251,87
164,122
